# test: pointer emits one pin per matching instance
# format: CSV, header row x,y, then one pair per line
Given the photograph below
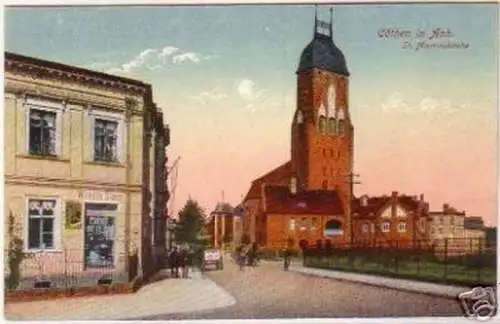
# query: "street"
x,y
267,291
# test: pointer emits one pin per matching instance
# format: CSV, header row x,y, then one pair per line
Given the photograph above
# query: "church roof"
x,y
280,200
322,53
280,175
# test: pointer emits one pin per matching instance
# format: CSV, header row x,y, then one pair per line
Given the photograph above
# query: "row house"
x,y
78,165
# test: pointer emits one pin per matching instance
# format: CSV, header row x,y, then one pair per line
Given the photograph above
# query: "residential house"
x,y
391,220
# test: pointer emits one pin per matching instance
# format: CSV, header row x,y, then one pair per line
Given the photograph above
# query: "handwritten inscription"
x,y
420,39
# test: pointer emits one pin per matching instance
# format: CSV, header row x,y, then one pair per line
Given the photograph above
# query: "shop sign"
x,y
94,195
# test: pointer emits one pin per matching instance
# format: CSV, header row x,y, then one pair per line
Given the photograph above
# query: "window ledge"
x,y
108,164
42,157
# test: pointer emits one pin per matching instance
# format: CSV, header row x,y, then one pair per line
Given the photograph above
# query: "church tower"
x,y
322,132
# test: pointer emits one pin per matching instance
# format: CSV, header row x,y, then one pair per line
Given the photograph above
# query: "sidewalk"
x,y
163,297
384,282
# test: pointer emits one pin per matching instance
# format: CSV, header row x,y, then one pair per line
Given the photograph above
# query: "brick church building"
x,y
310,197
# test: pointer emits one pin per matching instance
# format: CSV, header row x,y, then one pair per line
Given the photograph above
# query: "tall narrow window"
x,y
41,214
105,140
325,184
42,132
332,125
341,129
322,124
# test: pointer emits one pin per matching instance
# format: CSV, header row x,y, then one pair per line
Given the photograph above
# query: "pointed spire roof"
x,y
322,52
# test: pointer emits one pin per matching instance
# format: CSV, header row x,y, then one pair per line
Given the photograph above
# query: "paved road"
x,y
269,292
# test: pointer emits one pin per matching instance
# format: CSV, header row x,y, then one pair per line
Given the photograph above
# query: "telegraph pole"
x,y
351,181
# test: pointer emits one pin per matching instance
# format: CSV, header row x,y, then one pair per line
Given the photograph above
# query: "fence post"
x,y
396,255
419,257
445,258
479,260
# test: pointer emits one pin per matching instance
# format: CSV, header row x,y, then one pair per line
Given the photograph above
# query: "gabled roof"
x,y
374,205
280,200
279,176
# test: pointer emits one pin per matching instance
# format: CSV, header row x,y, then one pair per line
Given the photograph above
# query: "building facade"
x,y
158,193
77,169
453,231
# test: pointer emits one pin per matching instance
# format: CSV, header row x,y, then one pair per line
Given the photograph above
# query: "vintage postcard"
x,y
251,161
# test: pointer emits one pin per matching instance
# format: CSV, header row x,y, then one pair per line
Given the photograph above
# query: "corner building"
x,y
77,170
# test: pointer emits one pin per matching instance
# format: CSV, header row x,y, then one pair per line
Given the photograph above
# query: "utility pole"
x,y
351,176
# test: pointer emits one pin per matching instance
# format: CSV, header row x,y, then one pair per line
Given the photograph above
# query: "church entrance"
x,y
333,228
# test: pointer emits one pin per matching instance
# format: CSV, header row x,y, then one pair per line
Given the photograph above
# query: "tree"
x,y
189,229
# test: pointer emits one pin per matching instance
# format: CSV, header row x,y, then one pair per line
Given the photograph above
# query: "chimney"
x,y
421,197
446,207
364,200
394,194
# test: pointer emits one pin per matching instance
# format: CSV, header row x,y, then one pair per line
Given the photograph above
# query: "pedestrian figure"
x,y
255,254
242,257
201,261
174,263
184,264
287,254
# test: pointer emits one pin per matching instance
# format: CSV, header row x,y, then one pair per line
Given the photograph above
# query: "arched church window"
x,y
322,124
333,228
332,125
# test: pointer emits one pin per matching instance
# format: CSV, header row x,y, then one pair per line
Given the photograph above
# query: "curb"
x,y
382,285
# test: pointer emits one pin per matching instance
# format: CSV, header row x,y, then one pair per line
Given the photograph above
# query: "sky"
x,y
425,115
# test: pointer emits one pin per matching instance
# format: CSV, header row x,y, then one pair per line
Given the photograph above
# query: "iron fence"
x,y
467,262
62,270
